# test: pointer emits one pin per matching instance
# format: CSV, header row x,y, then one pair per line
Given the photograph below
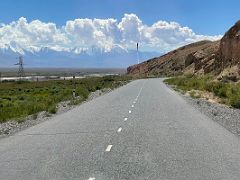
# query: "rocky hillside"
x,y
221,58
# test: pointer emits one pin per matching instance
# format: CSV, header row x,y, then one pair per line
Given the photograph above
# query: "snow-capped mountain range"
x,y
75,57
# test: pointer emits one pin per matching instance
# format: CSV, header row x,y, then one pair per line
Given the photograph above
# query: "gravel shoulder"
x,y
226,116
11,127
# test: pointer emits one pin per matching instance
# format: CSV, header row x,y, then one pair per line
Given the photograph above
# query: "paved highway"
x,y
140,131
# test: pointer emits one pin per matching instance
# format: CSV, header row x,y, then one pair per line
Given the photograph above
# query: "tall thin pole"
x,y
21,70
20,67
74,87
37,77
137,54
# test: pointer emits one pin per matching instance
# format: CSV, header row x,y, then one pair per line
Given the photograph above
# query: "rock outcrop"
x,y
228,62
221,58
230,46
189,58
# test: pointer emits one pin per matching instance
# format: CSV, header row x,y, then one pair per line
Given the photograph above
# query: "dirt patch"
x,y
205,95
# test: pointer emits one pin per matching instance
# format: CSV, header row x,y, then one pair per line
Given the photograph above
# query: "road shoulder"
x,y
224,115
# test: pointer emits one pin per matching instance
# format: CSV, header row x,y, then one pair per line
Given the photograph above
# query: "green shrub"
x,y
228,92
234,102
35,116
52,109
194,95
19,99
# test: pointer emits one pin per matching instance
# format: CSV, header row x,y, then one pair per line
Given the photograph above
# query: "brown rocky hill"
x,y
221,58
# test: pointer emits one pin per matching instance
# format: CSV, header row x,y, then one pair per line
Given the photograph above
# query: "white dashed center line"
x,y
109,148
119,130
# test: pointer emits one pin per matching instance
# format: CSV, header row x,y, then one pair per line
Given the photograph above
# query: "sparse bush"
x,y
194,95
20,120
52,109
20,99
228,92
75,101
35,116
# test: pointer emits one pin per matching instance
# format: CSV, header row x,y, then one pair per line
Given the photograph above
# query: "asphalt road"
x,y
140,131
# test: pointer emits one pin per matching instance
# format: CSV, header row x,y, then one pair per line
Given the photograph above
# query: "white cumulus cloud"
x,y
161,36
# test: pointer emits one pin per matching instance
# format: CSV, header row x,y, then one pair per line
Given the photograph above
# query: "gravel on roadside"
x,y
14,126
226,116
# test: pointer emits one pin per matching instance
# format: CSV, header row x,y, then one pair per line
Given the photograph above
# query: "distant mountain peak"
x,y
94,56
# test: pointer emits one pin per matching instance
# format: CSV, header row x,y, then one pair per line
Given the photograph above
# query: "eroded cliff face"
x,y
187,59
230,46
228,61
221,58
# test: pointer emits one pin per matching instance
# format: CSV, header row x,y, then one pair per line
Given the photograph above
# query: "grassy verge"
x,y
228,92
20,99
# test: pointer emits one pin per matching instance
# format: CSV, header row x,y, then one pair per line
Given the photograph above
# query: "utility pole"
x,y
37,77
20,67
138,58
137,53
74,88
64,80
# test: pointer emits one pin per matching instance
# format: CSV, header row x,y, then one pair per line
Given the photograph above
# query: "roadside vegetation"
x,y
229,93
23,98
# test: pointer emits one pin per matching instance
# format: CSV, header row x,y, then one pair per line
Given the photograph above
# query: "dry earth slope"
x,y
221,58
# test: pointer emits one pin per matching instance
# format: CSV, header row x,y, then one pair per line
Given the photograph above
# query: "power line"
x,y
20,67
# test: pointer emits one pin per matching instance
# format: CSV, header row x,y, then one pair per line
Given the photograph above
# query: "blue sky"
x,y
210,17
112,25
